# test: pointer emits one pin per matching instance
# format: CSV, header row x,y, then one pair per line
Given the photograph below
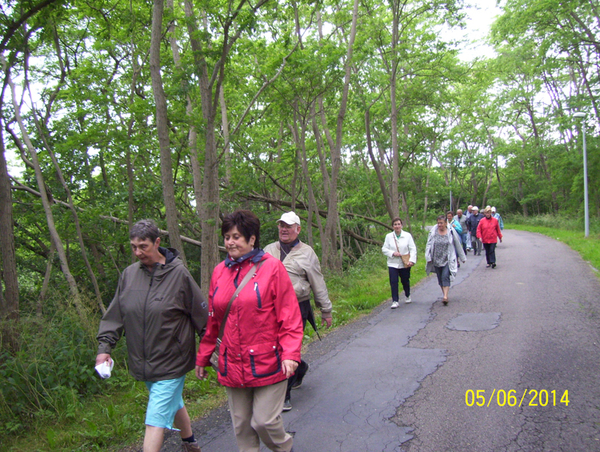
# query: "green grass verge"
x,y
588,248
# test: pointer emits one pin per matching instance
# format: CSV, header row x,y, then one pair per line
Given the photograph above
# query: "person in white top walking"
x,y
401,252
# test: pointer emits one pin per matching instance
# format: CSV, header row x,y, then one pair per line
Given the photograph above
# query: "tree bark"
x,y
9,302
76,298
384,191
72,208
166,166
45,284
394,201
331,259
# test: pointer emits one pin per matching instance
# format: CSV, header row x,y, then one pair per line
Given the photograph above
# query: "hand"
x,y
201,372
410,263
396,254
500,239
103,357
326,322
288,367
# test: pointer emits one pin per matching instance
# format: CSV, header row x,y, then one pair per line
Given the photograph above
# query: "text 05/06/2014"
x,y
527,397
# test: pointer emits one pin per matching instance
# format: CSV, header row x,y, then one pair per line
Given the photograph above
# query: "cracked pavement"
x,y
397,380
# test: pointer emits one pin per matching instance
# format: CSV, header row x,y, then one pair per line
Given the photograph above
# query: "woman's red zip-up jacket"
x,y
263,328
488,230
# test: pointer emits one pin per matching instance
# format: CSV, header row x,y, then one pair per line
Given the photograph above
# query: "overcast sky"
x,y
480,15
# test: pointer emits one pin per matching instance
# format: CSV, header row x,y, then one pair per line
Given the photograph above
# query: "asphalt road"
x,y
514,339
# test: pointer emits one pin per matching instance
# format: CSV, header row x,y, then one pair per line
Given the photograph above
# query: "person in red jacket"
x,y
488,231
262,337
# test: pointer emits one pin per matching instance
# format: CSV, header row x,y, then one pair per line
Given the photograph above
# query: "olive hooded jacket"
x,y
160,313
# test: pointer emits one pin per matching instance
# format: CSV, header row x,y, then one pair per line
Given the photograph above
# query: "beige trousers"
x,y
256,416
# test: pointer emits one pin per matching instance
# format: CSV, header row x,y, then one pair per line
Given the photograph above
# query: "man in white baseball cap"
x,y
304,269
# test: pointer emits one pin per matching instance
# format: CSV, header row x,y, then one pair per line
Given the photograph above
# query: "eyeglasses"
x,y
285,226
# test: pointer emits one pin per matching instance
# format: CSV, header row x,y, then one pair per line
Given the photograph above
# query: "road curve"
x,y
403,380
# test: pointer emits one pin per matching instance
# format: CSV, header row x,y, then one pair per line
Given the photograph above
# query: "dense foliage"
x,y
349,113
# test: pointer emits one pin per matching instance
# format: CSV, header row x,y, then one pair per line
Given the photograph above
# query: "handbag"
x,y
214,357
405,257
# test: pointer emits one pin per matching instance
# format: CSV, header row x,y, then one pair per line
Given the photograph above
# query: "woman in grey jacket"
x,y
442,252
397,244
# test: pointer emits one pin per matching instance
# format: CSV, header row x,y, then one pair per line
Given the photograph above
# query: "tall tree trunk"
x,y
376,166
331,258
394,201
162,126
426,200
209,211
209,201
225,129
64,264
9,301
61,179
300,139
46,283
189,110
130,199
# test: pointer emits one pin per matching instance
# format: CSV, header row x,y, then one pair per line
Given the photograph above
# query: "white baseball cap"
x,y
475,208
290,218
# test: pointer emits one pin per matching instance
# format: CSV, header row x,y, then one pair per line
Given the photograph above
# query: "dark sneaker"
x,y
190,447
287,405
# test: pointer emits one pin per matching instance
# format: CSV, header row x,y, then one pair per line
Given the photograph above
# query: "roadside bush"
x,y
49,373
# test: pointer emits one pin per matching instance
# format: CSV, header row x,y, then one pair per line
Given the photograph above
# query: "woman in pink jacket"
x,y
262,336
488,231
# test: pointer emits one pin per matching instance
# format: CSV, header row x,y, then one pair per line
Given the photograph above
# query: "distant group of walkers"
x,y
252,326
251,329
447,245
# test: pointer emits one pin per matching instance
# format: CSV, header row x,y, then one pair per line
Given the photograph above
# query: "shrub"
x,y
50,371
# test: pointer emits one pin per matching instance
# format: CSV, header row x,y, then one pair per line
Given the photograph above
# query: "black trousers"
x,y
404,275
305,308
490,253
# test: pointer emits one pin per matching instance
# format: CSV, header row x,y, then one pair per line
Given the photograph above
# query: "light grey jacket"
x,y
304,269
455,252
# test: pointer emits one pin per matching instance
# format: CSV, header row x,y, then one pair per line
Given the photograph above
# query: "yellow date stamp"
x,y
529,397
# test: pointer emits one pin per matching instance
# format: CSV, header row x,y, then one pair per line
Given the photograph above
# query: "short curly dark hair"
x,y
246,222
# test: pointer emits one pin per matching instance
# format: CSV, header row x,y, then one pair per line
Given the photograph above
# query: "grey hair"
x,y
144,229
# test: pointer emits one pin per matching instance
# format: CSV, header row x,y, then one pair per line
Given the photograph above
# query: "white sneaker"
x,y
394,304
408,300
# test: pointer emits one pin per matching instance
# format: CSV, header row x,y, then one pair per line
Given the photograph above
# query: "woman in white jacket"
x,y
401,252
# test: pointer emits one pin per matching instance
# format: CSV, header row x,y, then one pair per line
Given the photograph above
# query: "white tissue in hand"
x,y
104,369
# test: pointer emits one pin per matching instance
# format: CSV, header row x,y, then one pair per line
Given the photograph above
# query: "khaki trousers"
x,y
256,416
